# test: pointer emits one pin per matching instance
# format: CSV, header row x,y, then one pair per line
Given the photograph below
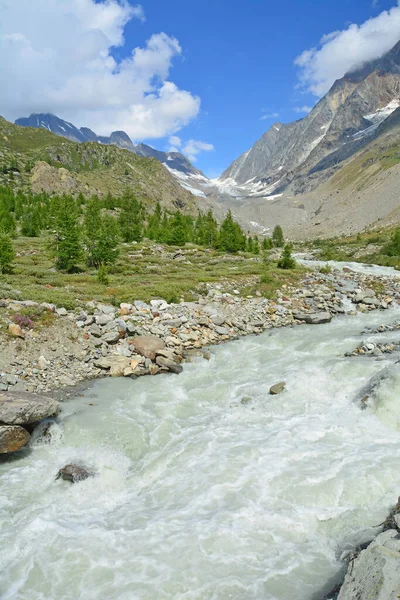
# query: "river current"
x,y
207,487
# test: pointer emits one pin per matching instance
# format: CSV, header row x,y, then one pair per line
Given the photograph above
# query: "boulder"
x,y
169,364
277,388
12,438
74,473
375,573
21,408
116,363
148,345
111,337
313,318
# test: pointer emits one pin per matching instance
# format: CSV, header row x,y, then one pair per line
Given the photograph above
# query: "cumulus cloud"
x,y
343,51
59,57
175,143
193,147
303,109
270,116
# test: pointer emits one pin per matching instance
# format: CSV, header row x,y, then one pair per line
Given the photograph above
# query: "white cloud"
x,y
175,143
342,51
193,147
57,56
303,109
270,116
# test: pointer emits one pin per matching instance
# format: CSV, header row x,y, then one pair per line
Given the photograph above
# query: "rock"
x,y
168,353
222,331
61,312
106,309
12,438
21,408
125,308
148,345
95,330
15,330
313,318
117,364
277,388
111,337
74,473
42,362
103,319
375,573
169,364
218,319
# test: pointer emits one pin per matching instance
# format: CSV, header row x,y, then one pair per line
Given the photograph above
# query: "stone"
x,y
95,330
131,328
106,309
218,319
313,318
222,331
103,319
116,364
12,438
111,337
141,305
22,408
125,308
168,353
375,573
15,330
169,364
61,312
277,388
148,345
42,363
74,473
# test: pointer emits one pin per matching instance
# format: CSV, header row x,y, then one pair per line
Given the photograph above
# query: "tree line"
x,y
91,229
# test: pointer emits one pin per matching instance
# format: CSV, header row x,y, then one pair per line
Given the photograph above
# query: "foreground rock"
x,y
12,438
313,318
74,473
23,408
375,574
278,388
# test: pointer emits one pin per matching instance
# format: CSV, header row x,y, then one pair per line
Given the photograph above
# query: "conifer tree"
x,y
277,237
131,219
7,253
287,261
68,244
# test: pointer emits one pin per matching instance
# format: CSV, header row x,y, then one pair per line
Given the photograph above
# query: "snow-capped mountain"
x,y
288,156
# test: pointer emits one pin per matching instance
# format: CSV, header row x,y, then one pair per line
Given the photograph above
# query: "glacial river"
x,y
198,496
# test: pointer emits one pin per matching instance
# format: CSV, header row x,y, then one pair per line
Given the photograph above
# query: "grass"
x,y
141,273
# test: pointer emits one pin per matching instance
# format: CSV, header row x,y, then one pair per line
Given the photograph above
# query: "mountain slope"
x,y
176,162
38,160
352,109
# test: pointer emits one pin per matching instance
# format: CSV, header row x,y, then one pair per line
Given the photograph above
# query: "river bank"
x,y
45,348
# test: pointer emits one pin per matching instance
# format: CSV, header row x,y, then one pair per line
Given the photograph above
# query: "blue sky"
x,y
207,77
239,58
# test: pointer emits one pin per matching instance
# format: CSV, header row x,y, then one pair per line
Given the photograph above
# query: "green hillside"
x,y
37,160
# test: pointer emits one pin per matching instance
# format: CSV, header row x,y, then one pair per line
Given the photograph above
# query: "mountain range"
x,y
336,171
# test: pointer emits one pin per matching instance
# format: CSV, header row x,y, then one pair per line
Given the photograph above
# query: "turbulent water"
x,y
198,496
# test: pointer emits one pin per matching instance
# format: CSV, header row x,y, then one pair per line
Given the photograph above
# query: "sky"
x,y
205,77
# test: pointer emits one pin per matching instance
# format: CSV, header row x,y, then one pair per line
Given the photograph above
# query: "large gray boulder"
x,y
148,345
22,408
375,574
313,318
12,438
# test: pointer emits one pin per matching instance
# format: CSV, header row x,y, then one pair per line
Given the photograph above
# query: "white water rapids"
x,y
200,497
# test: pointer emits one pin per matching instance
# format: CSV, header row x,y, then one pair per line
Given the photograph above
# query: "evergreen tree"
x,y
256,245
30,223
176,230
287,261
154,224
266,244
101,236
68,246
7,253
277,237
249,244
231,237
131,219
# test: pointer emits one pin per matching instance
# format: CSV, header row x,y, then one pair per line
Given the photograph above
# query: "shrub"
x,y
7,253
287,261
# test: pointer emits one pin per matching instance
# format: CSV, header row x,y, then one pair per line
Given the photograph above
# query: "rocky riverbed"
x,y
138,339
